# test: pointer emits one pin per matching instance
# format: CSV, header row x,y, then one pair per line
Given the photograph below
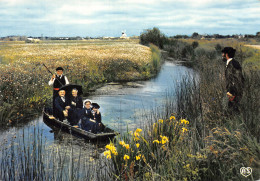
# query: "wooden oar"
x,y
51,73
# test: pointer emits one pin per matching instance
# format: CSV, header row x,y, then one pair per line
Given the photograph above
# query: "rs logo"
x,y
245,171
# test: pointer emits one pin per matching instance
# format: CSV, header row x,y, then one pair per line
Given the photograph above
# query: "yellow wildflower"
x,y
156,141
138,130
143,157
172,117
122,143
164,139
184,129
137,145
108,154
127,146
161,121
138,157
126,157
136,134
112,148
185,121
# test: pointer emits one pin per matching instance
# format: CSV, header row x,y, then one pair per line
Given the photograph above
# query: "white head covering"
x,y
84,102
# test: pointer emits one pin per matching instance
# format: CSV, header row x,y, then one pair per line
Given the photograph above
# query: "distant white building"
x,y
123,35
32,40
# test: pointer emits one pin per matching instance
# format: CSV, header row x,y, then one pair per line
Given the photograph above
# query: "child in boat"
x,y
98,126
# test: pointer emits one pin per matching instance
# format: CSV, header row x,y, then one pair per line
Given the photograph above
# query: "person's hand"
x,y
98,112
67,107
53,76
230,96
65,112
92,120
73,103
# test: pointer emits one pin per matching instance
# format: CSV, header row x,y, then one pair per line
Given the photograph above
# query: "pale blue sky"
x,y
109,17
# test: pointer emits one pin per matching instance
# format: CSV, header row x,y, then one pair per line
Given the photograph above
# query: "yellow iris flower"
x,y
172,117
127,146
108,154
184,129
156,141
185,121
126,157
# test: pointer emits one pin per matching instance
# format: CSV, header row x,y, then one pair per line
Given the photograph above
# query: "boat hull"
x,y
55,123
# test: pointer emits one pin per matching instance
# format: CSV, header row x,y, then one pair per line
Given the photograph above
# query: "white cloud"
x,y
205,15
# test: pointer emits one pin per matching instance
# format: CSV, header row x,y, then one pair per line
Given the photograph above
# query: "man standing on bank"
x,y
234,80
57,81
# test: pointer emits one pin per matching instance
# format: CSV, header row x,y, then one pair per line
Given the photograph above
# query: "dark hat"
x,y
228,50
95,105
61,89
59,68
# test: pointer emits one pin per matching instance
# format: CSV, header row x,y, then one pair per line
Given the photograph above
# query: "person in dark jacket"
x,y
61,106
57,81
98,126
85,116
76,105
234,80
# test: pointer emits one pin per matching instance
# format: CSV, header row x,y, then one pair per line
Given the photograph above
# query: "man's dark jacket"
x,y
234,79
59,107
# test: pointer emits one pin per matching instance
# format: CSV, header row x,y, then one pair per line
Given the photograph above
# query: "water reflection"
x,y
120,109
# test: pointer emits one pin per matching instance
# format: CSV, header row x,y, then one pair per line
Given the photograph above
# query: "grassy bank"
x,y
201,141
23,82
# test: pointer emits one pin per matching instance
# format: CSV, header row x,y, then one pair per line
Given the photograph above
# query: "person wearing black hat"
x,y
57,81
61,106
97,118
234,79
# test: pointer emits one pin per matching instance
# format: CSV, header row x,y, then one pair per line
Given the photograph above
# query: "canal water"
x,y
122,106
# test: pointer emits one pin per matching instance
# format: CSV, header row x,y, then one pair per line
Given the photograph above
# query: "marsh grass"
x,y
27,156
213,146
23,82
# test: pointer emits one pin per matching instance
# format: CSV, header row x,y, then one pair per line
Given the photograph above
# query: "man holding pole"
x,y
58,81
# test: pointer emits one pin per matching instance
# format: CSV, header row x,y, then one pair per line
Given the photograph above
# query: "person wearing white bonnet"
x,y
87,100
86,115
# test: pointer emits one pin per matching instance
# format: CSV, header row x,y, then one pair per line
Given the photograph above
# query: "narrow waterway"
x,y
122,106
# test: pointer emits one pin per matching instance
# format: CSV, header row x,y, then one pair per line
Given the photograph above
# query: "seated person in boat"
x,y
61,106
76,105
98,126
86,116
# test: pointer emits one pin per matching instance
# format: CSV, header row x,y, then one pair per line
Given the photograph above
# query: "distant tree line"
x,y
182,50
